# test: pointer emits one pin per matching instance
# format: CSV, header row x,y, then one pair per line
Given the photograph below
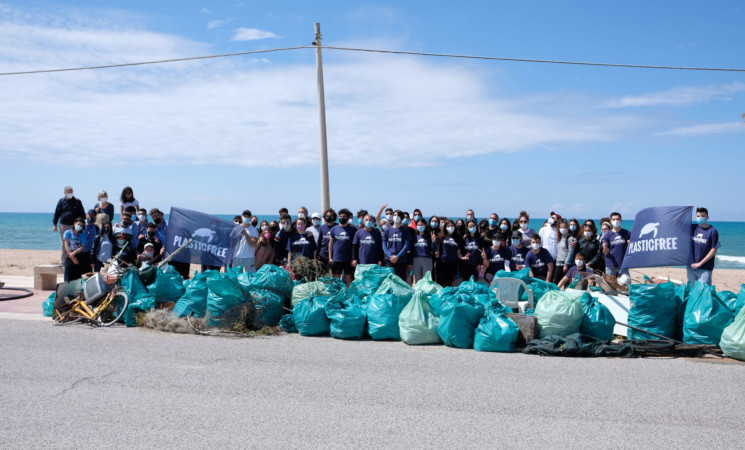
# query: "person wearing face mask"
x,y
340,247
76,250
302,212
264,252
505,227
523,221
518,251
410,233
470,215
315,226
237,220
614,245
103,206
160,224
127,200
245,255
396,244
324,235
127,226
140,226
361,218
549,234
383,225
281,238
68,209
705,245
539,260
124,241
562,251
148,257
495,258
150,237
416,216
91,232
388,214
493,226
460,230
573,235
367,245
423,250
469,252
589,247
577,267
300,242
447,254
103,247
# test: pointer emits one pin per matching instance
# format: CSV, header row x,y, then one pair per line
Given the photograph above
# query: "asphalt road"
x,y
78,387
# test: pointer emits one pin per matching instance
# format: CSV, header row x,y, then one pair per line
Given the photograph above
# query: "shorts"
x,y
700,275
338,267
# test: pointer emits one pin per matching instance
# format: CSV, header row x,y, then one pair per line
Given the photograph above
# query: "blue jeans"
x,y
616,271
247,263
701,275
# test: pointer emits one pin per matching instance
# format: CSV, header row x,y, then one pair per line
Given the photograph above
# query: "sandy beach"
x,y
22,262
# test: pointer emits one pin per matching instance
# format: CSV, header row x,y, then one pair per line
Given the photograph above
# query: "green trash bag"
x,y
479,291
732,341
459,317
273,278
333,285
559,313
310,316
417,323
47,306
440,297
225,301
427,286
395,285
194,300
539,287
362,269
653,308
706,316
496,332
305,290
287,323
139,298
168,286
733,301
383,311
370,281
268,308
597,321
347,316
740,301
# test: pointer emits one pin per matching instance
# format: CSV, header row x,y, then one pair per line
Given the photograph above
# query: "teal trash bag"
x,y
305,290
479,291
459,317
370,281
732,341
427,286
168,286
539,287
496,332
598,321
575,281
654,308
194,300
681,298
729,298
244,280
310,316
393,284
287,323
438,298
225,302
333,285
273,278
740,301
383,311
417,323
139,298
347,316
47,306
362,269
559,313
268,308
706,316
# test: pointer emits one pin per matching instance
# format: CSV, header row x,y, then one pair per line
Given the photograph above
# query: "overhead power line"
x,y
367,50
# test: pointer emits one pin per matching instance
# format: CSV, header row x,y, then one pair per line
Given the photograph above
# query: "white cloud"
x,y
705,129
381,110
212,24
252,34
681,96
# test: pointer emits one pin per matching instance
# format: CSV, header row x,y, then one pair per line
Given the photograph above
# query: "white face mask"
x,y
450,229
588,234
578,262
550,221
469,216
503,226
148,254
496,243
535,246
396,219
316,222
104,200
385,226
264,227
143,218
68,195
616,223
563,230
523,226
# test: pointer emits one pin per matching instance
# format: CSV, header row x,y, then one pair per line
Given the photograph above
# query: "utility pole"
x,y
325,196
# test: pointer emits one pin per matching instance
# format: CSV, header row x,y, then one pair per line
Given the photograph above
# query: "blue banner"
x,y
215,240
661,237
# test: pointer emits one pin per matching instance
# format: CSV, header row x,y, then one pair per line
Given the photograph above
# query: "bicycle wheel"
x,y
114,311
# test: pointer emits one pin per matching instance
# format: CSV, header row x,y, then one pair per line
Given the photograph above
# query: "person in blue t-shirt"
x,y
91,233
76,249
447,254
281,238
518,251
367,245
422,250
340,246
539,260
324,235
300,242
705,245
496,257
469,252
577,268
614,244
396,243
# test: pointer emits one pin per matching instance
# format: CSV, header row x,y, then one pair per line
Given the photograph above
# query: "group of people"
x,y
452,249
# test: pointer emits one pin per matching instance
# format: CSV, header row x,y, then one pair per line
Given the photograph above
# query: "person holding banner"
x,y
245,256
705,245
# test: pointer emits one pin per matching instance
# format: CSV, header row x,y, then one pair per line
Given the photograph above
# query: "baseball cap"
x,y
315,215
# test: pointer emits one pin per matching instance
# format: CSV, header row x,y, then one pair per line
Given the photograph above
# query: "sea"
x,y
33,231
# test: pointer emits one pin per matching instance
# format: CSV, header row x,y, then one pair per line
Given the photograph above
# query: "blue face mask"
x,y
434,224
516,242
504,226
405,221
417,217
492,222
573,227
699,220
421,228
246,220
369,224
472,230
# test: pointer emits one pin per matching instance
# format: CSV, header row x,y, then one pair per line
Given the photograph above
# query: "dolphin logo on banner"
x,y
664,238
215,240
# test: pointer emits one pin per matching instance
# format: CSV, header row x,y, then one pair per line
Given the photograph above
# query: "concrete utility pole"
x,y
325,196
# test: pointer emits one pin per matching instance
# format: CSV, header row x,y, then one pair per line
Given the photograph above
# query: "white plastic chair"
x,y
508,290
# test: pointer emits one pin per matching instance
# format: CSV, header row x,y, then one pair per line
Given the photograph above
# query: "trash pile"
x,y
381,306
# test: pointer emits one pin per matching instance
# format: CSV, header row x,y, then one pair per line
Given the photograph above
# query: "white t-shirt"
x,y
124,206
246,250
548,240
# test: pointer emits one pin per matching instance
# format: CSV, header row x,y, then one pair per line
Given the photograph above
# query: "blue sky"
x,y
442,135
